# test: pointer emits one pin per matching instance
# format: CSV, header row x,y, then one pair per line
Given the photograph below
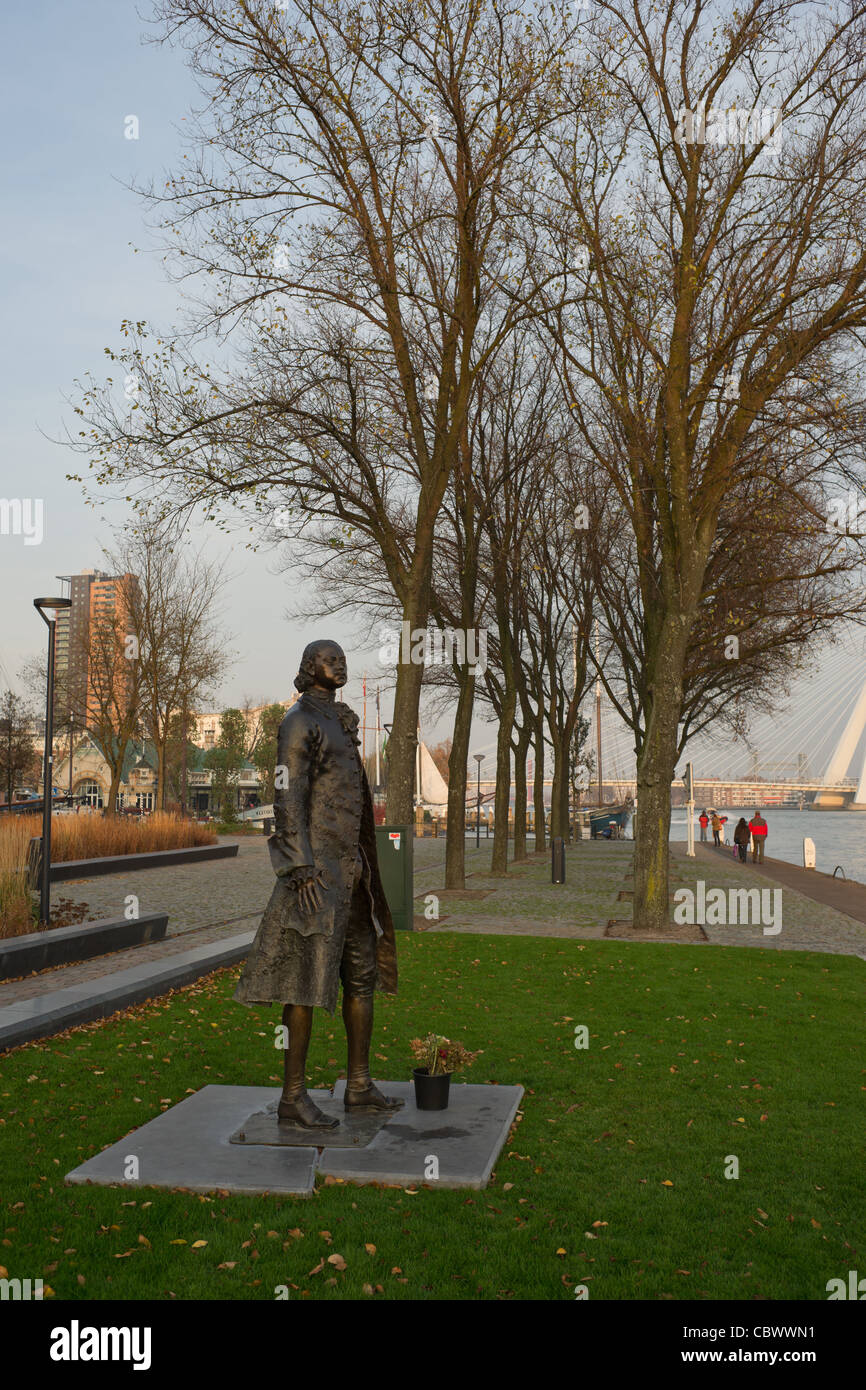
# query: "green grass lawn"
x,y
613,1177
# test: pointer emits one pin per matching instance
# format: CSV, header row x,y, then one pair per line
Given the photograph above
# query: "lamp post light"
x,y
479,758
40,604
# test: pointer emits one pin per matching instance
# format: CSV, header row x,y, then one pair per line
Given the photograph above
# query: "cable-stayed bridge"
x,y
808,747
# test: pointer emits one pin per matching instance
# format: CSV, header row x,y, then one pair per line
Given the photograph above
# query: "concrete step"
x,y
42,1015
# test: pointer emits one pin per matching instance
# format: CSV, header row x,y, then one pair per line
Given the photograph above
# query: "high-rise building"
x,y
94,595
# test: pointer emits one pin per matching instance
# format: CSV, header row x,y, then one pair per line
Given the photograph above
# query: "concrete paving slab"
x,y
465,1140
188,1146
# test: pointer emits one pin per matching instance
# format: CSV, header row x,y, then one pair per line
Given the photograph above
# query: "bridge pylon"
x,y
842,755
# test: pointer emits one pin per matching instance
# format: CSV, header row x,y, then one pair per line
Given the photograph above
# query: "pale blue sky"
x,y
68,224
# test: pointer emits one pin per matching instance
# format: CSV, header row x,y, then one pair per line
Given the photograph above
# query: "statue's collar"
x,y
322,699
325,703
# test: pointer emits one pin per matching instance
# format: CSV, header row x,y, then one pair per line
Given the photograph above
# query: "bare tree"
x,y
720,291
352,197
181,651
110,706
18,758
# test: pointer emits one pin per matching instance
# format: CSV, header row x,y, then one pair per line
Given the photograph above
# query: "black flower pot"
x,y
431,1092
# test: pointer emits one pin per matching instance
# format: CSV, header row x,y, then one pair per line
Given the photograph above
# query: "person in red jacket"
x,y
758,827
703,822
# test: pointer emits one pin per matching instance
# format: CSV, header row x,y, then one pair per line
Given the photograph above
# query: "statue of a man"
x,y
327,920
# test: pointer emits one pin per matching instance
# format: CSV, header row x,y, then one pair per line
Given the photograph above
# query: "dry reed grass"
x,y
81,837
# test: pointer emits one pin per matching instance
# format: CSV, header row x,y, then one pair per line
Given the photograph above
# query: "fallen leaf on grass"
x,y
370,1249
198,1244
337,1261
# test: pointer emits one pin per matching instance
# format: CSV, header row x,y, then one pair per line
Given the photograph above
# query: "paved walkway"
x,y
194,895
98,967
814,917
210,902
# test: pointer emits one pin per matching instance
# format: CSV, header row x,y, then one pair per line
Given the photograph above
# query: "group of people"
x,y
754,831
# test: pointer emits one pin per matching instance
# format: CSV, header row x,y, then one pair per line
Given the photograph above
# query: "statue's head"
x,y
323,664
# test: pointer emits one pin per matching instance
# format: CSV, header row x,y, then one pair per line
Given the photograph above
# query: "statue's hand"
x,y
309,894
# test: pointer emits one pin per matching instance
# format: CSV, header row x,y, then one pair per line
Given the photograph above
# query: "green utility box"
x,y
394,848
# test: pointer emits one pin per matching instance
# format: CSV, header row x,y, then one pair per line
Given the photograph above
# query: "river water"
x,y
839,836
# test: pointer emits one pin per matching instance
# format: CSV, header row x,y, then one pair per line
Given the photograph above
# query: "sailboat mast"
x,y
598,713
378,741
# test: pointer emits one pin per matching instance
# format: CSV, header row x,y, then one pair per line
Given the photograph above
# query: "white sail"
x,y
433,789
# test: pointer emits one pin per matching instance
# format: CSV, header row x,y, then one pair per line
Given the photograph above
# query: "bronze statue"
x,y
327,920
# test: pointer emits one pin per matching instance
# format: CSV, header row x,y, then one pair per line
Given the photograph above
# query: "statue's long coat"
x,y
323,813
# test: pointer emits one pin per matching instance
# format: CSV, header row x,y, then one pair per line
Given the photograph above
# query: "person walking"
x,y
742,835
758,829
717,829
703,822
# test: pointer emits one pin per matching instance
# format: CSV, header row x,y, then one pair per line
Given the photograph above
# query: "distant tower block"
x,y
840,761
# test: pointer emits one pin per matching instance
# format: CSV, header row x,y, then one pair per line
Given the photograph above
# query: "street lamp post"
x,y
71,750
479,758
40,604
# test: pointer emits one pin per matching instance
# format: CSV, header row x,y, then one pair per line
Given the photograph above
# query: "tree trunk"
x,y
538,786
110,808
499,860
564,787
656,766
400,803
455,833
556,828
523,739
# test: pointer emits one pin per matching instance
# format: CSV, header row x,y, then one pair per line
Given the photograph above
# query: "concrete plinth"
x,y
266,1127
465,1140
194,1145
188,1146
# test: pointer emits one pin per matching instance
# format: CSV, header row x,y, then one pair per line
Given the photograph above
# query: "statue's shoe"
x,y
369,1100
304,1112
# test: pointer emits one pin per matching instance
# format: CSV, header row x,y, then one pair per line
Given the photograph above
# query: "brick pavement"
x,y
194,895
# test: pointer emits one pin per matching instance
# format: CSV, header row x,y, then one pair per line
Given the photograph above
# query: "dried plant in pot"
x,y
438,1059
